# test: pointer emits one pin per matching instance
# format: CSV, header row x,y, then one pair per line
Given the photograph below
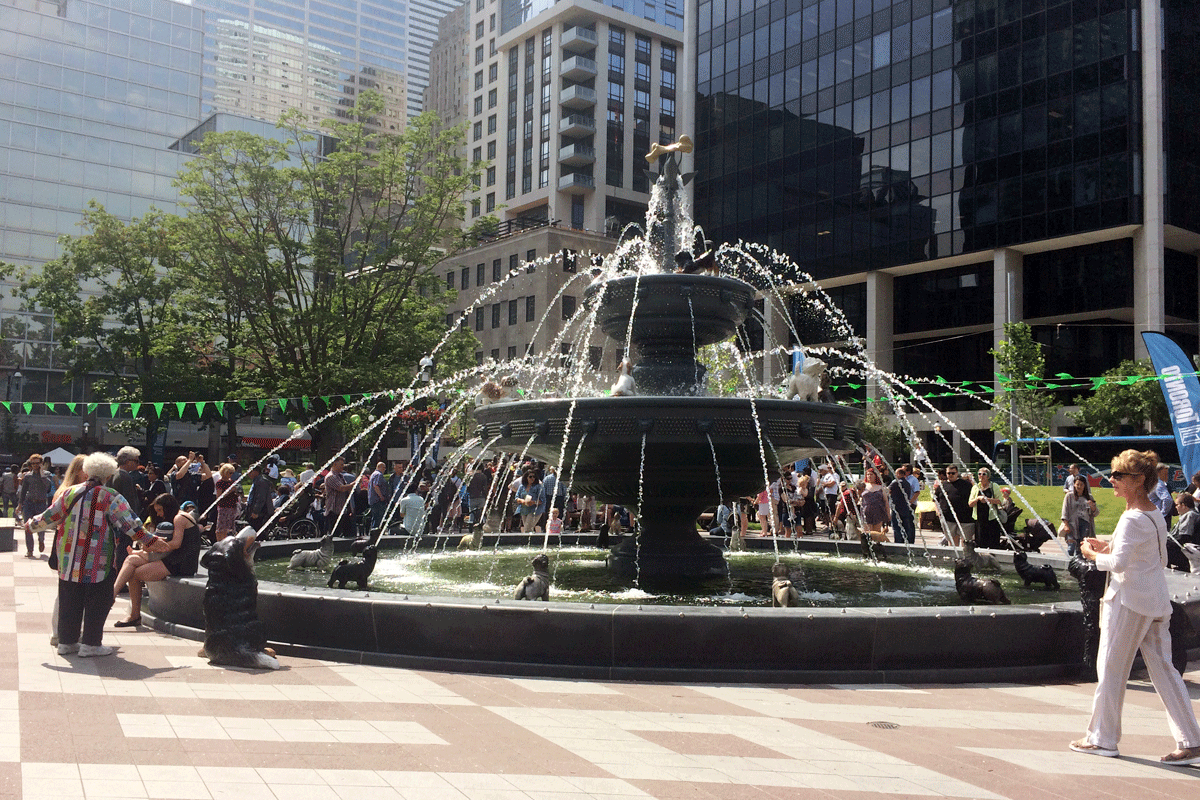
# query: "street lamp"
x,y
9,394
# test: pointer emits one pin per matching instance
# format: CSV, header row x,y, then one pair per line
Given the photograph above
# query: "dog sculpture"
x,y
979,560
1031,574
537,585
1035,535
977,590
1092,583
357,571
783,594
805,383
1182,557
706,262
871,550
624,387
310,559
503,391
233,634
358,545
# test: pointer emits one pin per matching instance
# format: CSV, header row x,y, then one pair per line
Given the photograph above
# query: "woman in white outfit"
x,y
1135,612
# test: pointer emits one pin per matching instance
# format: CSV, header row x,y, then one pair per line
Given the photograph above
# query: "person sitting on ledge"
x,y
180,559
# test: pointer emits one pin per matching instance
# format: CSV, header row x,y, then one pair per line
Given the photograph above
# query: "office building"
x,y
941,168
562,100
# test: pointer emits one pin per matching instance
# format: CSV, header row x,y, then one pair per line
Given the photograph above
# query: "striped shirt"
x,y
89,533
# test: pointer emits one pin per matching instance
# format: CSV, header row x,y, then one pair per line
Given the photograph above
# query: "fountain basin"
x,y
778,645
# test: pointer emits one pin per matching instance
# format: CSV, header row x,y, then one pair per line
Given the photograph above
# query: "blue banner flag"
x,y
1177,377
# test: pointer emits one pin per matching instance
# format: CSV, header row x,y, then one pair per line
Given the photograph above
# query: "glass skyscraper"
x,y
941,167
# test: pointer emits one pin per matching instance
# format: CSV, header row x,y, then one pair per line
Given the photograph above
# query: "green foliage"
x,y
1020,358
884,432
1120,401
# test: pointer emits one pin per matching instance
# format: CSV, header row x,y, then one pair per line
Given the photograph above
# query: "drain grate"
x,y
887,726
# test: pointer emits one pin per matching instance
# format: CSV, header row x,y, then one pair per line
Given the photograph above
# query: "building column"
x,y
880,326
1008,273
1148,241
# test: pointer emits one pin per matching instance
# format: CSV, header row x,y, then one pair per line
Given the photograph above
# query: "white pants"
x,y
1122,633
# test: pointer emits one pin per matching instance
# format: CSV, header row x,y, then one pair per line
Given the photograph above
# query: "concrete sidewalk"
x,y
154,721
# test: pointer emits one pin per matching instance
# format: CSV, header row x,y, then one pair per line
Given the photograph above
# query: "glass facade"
x,y
92,95
864,134
1181,65
263,57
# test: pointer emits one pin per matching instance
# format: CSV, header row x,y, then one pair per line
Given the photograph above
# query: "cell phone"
x,y
194,469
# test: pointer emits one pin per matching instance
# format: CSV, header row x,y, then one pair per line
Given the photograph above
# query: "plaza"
x,y
155,721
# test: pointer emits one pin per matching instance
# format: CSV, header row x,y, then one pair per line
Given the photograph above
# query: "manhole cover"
x,y
887,726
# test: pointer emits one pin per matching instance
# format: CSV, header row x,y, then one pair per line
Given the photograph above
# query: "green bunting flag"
x,y
28,408
220,406
262,406
179,409
70,407
134,408
7,405
158,409
347,397
304,402
50,407
113,408
283,404
92,407
200,407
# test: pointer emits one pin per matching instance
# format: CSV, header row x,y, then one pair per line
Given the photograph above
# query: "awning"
x,y
267,443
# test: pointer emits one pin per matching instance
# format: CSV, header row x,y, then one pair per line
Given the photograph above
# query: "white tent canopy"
x,y
58,457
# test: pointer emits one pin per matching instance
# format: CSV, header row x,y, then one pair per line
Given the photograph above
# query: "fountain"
x,y
670,428
669,450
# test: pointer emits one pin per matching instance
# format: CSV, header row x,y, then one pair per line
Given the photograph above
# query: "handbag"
x,y
1001,515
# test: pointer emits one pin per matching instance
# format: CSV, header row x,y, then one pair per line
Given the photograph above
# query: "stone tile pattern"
x,y
155,721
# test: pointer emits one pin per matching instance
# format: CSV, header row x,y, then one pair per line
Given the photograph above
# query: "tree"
x,y
320,261
1125,398
883,431
1020,358
114,305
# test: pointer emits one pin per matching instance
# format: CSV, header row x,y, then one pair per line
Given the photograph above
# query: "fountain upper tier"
x,y
675,315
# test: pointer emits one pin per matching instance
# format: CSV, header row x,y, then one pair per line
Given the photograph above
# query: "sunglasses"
x,y
1115,474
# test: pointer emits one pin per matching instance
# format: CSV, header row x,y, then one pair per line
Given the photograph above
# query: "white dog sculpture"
x,y
805,384
624,387
318,559
502,391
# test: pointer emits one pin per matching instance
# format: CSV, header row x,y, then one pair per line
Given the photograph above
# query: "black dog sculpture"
x,y
1043,574
1034,535
357,571
233,634
1092,583
977,590
871,550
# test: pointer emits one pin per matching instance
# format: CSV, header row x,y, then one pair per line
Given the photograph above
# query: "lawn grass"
x,y
1046,502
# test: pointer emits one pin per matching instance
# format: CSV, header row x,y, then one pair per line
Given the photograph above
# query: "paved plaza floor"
x,y
155,721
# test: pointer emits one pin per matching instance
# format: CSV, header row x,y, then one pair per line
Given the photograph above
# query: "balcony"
x,y
575,155
577,97
576,183
577,125
578,39
578,68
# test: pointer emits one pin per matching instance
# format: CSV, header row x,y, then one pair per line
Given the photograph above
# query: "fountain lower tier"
x,y
692,451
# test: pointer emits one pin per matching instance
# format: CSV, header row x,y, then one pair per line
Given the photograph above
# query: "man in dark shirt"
x,y
958,494
124,481
904,531
259,503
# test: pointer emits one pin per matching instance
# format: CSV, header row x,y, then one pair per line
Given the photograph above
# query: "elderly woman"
x,y
92,515
1135,612
984,499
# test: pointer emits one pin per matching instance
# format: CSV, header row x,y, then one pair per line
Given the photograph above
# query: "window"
x,y
668,54
480,274
478,358
616,38
495,315
514,261
479,104
479,79
492,22
565,361
491,124
449,321
530,255
478,131
491,150
641,47
479,55
491,202
512,312
497,271
479,29
491,176
479,318
476,155
568,306
496,354
492,99
493,72
641,72
668,81
530,308
449,280
474,209
512,351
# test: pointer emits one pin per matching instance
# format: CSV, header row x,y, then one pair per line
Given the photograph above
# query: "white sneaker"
x,y
91,650
68,649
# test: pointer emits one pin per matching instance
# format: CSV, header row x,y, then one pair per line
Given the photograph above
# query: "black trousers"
x,y
87,604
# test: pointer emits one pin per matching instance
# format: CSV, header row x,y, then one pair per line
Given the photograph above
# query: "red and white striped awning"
x,y
269,443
